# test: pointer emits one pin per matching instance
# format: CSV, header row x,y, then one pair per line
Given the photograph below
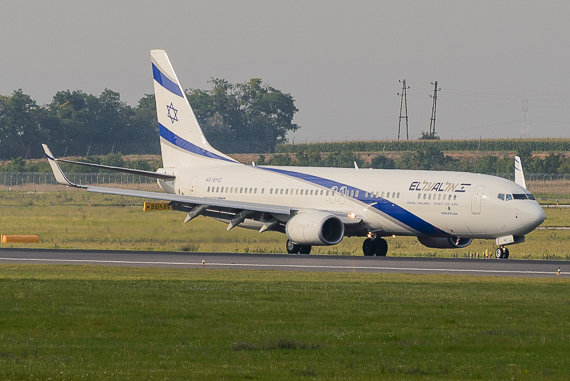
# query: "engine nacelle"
x,y
315,228
445,242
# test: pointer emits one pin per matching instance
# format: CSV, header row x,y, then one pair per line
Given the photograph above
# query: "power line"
x,y
404,103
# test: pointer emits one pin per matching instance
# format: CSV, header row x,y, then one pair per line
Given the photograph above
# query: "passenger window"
x,y
419,195
455,197
208,189
501,196
262,190
509,197
425,195
327,193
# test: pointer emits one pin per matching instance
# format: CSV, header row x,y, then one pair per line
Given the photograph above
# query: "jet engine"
x,y
445,242
315,228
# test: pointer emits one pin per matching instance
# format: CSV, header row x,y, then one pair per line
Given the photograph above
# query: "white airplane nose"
x,y
535,216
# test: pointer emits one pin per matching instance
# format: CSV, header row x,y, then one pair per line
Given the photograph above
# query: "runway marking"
x,y
96,261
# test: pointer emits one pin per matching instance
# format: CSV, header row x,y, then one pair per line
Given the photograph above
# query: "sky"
x,y
341,61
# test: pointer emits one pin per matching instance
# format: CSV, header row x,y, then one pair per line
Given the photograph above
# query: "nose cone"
x,y
534,216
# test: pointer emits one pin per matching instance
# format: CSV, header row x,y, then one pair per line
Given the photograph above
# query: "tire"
x,y
368,247
499,253
305,249
292,248
380,247
506,254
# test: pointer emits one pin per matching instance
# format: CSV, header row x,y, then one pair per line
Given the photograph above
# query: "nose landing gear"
x,y
502,253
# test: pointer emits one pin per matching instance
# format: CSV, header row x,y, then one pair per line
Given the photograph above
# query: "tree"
x,y
20,133
382,161
244,117
145,124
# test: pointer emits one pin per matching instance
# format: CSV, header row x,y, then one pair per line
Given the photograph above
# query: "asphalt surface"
x,y
325,263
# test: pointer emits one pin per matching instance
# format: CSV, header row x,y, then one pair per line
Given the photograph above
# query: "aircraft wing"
x,y
188,202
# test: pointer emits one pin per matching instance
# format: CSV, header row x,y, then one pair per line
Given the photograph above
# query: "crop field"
x,y
90,322
81,220
514,145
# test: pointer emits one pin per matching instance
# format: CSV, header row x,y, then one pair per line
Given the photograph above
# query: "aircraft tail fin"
x,y
519,174
182,141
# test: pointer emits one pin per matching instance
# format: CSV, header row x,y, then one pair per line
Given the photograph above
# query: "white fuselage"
x,y
389,202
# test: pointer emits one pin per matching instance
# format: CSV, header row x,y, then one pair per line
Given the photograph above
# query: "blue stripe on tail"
x,y
186,145
165,81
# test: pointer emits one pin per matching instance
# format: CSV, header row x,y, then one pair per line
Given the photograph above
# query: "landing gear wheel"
x,y
304,249
502,253
368,247
380,247
292,248
499,253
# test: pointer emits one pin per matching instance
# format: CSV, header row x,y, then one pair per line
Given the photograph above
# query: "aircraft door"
x,y
476,201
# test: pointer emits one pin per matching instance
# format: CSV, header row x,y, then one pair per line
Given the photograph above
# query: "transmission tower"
x,y
433,110
404,105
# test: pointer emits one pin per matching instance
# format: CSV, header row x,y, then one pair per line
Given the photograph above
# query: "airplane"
x,y
320,206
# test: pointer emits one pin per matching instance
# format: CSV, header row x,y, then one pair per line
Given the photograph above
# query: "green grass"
x,y
75,322
75,219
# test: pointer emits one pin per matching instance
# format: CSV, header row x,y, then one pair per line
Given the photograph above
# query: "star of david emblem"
x,y
172,113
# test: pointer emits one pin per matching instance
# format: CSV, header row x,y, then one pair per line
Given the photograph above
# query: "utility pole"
x,y
404,104
433,110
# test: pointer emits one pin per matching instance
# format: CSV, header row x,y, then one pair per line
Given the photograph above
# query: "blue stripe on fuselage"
x,y
383,205
165,81
186,145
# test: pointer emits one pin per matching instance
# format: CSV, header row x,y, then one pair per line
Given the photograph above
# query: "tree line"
x,y
428,158
242,117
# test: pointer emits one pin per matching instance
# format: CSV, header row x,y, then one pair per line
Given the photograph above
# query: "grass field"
x,y
71,219
87,322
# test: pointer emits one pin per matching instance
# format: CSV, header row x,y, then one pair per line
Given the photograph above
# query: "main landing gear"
x,y
375,246
293,248
502,253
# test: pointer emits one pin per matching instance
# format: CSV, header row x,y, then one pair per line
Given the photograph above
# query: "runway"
x,y
325,263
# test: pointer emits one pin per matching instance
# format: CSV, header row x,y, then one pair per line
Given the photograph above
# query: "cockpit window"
x,y
515,196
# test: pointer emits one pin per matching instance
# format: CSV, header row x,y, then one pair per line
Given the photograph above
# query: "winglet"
x,y
57,172
519,174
